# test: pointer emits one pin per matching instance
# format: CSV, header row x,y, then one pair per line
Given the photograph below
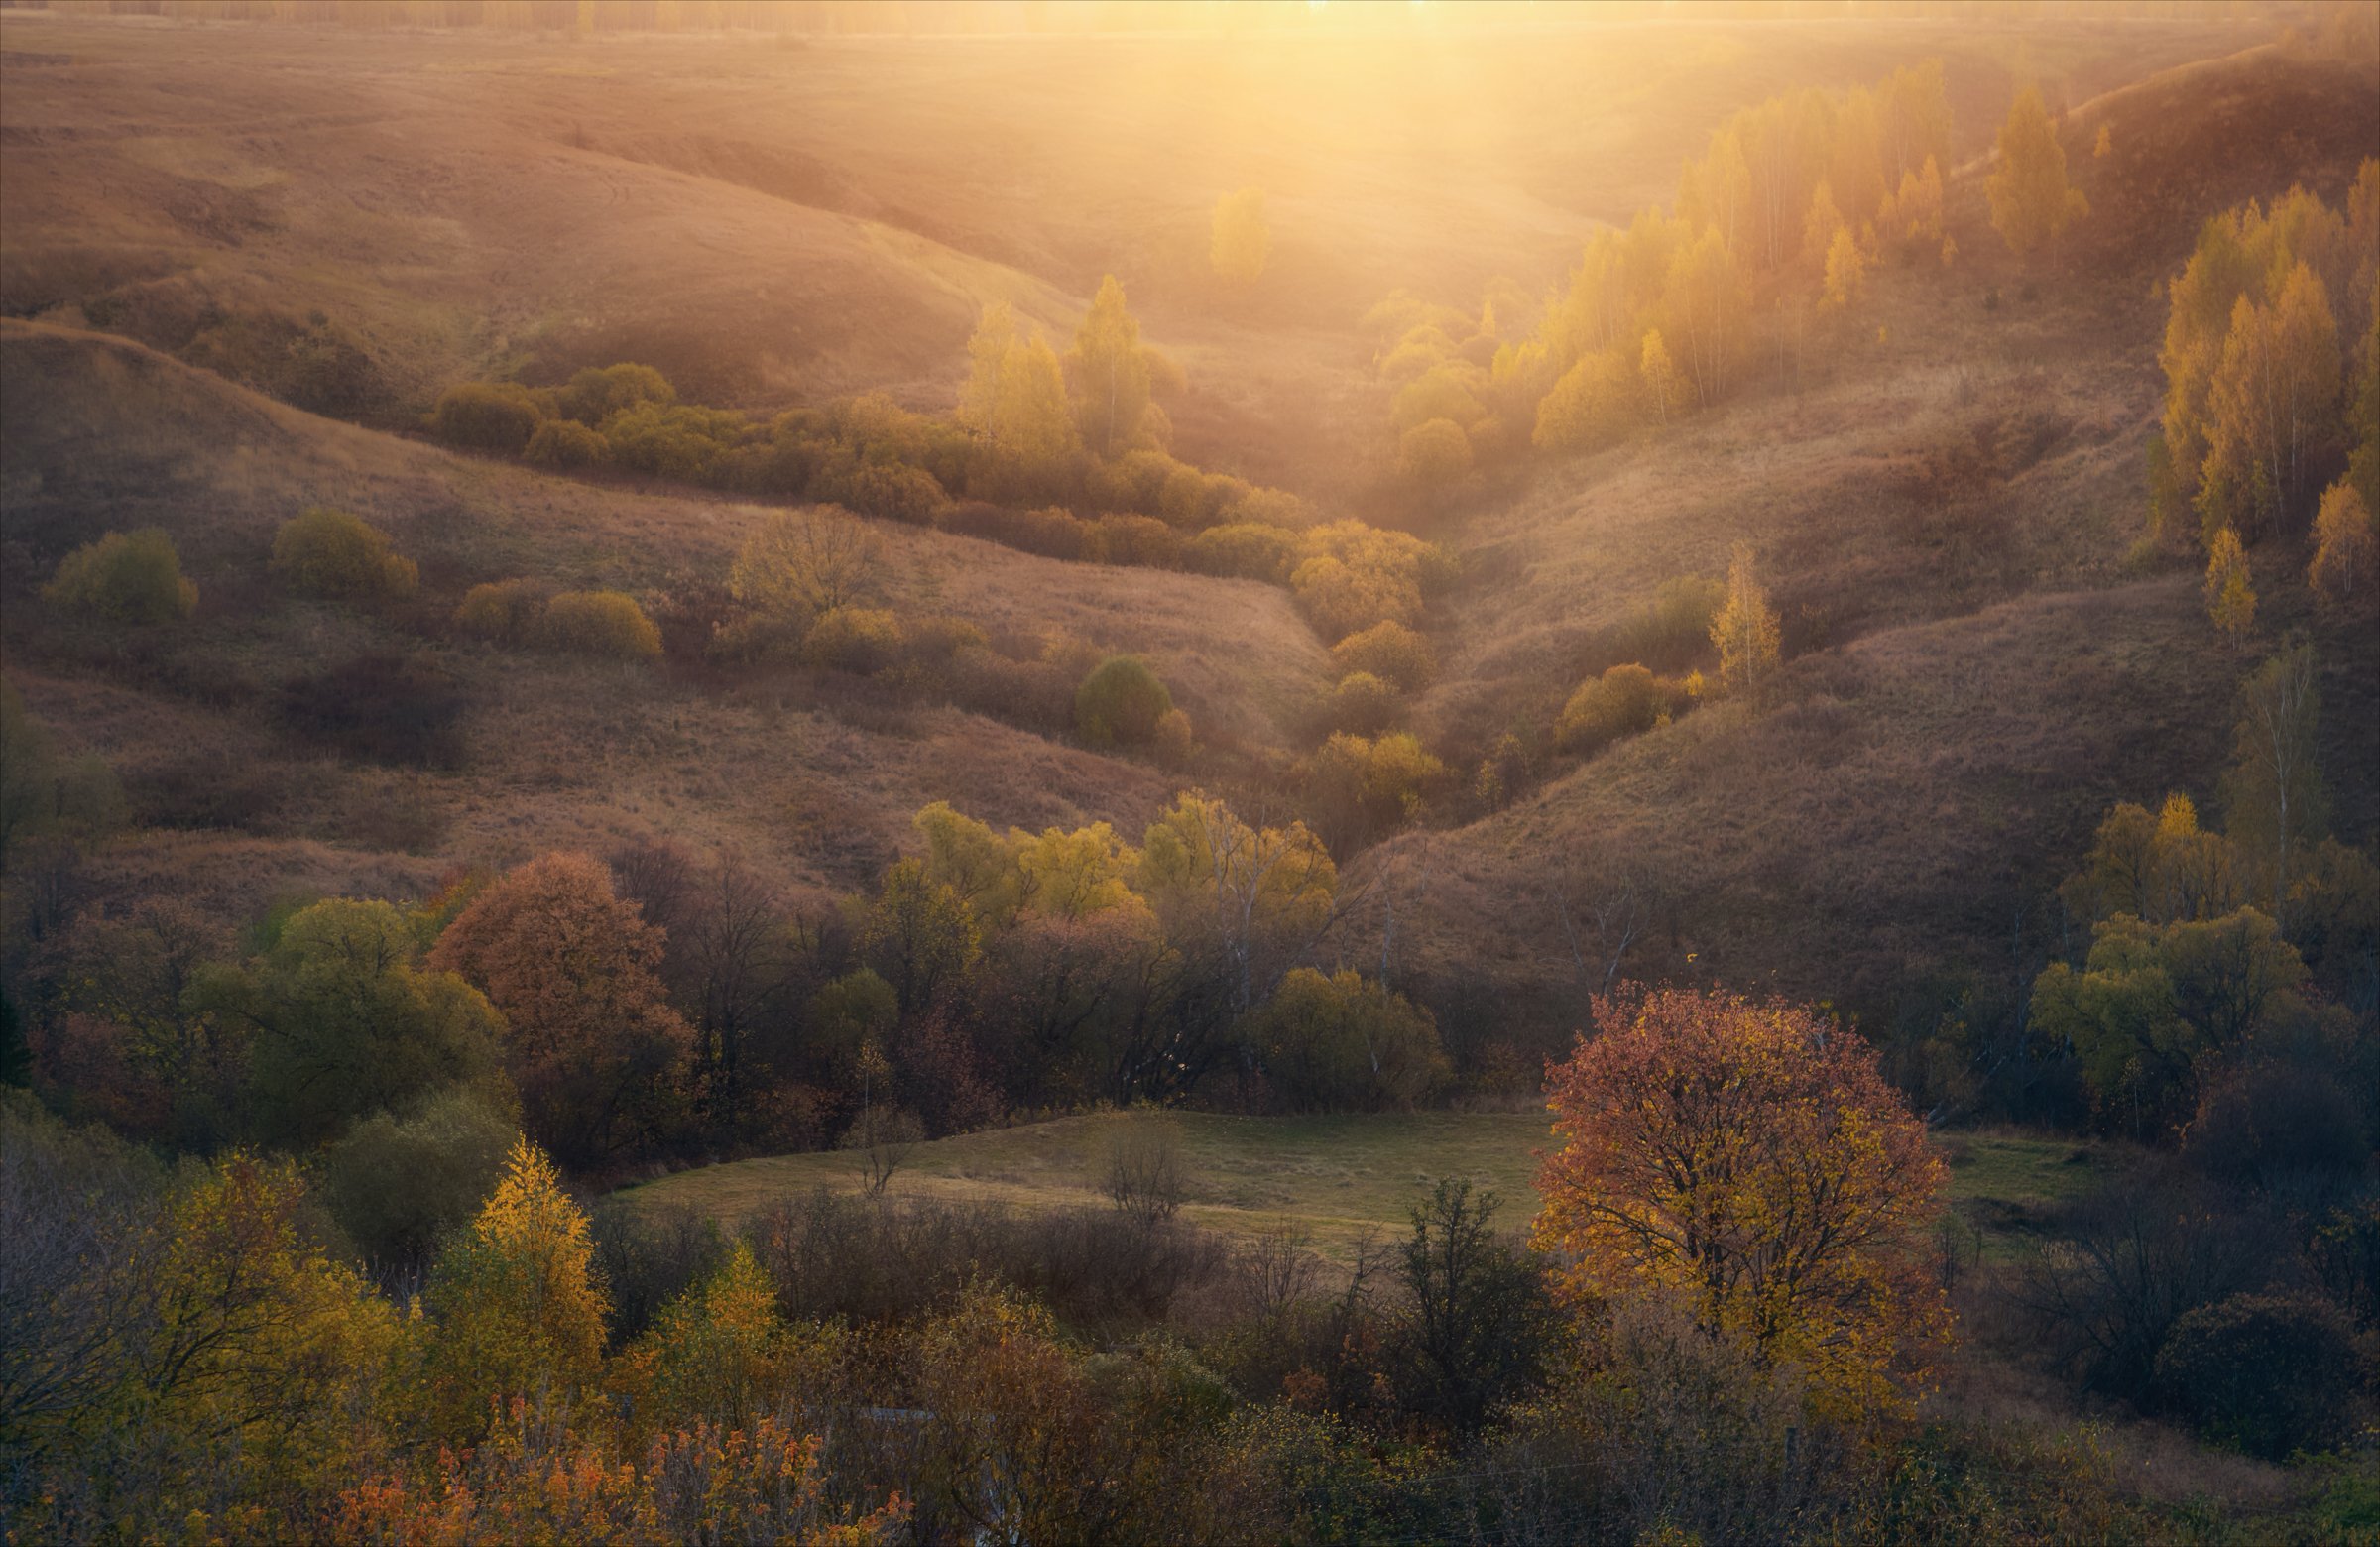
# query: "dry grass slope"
x,y
105,433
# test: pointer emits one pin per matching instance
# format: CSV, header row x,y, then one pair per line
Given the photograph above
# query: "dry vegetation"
x,y
240,264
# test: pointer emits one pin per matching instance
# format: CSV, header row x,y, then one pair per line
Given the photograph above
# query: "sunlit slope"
x,y
769,222
107,434
1944,513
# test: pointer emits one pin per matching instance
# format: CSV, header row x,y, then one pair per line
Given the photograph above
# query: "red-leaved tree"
x,y
591,1040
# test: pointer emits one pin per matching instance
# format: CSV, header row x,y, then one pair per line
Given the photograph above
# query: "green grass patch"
x,y
1339,1178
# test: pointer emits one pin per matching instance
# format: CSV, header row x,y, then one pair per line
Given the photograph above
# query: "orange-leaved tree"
x,y
1746,1157
591,1039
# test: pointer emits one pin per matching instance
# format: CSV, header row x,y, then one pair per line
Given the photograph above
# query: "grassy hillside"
x,y
104,434
1944,499
1342,1180
1943,496
542,205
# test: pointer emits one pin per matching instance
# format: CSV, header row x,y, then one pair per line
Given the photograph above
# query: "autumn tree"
x,y
1819,227
1252,895
920,936
254,1343
1657,376
591,1039
2271,401
1745,630
2159,866
800,564
1110,373
2229,589
2274,799
1433,455
2152,1005
2031,201
516,1307
1342,1044
1912,218
1749,1159
1847,272
2346,549
608,625
1359,788
1593,406
1243,238
1015,403
717,1353
1706,308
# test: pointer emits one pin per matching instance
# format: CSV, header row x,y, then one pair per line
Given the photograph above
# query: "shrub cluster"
x,y
607,624
1140,506
329,553
125,578
1624,701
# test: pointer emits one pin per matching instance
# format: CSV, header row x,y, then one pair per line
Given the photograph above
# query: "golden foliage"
x,y
2228,589
329,553
1749,1159
1745,630
608,624
125,578
2031,201
2346,549
515,1304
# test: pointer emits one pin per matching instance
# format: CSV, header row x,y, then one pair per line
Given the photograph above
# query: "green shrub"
x,y
1139,540
487,417
677,443
597,393
1120,703
561,442
1359,788
1268,507
1339,598
1245,549
861,640
124,577
887,489
2270,1373
500,609
1433,454
1049,532
599,623
1674,630
1390,651
329,553
1133,481
1363,704
1624,701
939,638
1344,1042
399,1185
